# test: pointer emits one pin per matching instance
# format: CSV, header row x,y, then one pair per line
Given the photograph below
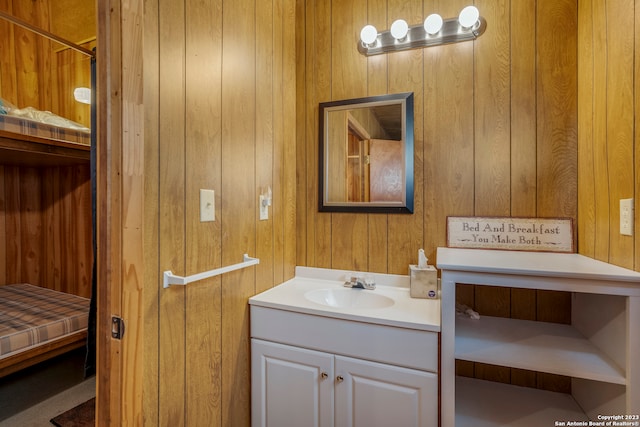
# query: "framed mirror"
x,y
366,155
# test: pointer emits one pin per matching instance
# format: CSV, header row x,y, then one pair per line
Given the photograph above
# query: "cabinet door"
x,y
290,386
370,394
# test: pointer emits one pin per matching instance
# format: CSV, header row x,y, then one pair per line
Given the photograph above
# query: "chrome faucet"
x,y
360,283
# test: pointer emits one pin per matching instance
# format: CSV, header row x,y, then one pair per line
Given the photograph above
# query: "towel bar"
x,y
171,279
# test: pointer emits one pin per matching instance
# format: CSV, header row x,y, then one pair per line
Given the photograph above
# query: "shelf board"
x,y
482,403
26,150
537,346
539,264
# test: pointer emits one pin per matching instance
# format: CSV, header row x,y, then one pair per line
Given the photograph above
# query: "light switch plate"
x,y
207,206
264,209
626,217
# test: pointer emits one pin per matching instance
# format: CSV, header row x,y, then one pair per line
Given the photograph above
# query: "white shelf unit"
x,y
599,350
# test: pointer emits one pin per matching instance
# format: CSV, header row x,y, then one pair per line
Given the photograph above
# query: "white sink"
x,y
320,292
348,298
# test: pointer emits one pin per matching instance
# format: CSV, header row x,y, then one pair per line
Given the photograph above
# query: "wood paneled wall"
x,y
608,119
495,122
45,227
219,101
45,211
495,135
36,72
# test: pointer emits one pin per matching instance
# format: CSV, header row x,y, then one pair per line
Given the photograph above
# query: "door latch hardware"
x,y
117,327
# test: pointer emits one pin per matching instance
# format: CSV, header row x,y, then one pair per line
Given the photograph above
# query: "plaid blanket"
x,y
31,315
43,130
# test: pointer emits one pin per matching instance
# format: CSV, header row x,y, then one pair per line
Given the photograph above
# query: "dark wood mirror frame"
x,y
402,199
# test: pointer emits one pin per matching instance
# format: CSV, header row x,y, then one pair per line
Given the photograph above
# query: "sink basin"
x,y
348,298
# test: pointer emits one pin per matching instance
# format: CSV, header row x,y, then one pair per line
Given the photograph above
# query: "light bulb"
x,y
368,34
399,29
82,94
433,24
468,16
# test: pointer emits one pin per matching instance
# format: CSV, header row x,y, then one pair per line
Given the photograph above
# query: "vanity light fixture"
x,y
435,31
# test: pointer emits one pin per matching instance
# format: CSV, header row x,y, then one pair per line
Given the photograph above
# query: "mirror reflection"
x,y
366,154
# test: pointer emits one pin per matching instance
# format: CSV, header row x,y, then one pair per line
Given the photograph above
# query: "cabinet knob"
x,y
324,375
340,378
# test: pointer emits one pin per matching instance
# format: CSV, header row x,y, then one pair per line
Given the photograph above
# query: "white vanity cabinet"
x,y
598,350
346,365
293,386
290,386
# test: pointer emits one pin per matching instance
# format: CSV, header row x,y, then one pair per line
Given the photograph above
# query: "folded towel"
x,y
463,310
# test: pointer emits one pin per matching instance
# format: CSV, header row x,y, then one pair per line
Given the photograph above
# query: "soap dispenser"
x,y
423,278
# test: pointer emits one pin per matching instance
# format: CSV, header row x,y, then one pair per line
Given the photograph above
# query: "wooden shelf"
x,y
485,403
597,351
25,150
536,346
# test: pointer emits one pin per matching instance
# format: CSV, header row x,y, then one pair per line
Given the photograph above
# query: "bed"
x,y
46,198
27,141
38,323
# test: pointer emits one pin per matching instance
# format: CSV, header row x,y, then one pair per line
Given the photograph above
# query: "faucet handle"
x,y
369,283
353,282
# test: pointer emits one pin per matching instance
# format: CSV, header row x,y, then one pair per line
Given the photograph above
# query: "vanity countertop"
x,y
405,312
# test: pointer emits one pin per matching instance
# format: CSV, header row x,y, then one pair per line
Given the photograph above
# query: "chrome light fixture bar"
x,y
452,31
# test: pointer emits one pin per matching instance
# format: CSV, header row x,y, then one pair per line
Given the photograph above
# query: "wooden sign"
x,y
520,234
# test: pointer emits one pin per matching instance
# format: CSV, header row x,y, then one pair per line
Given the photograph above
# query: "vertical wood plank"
x,y
601,185
556,108
44,54
152,267
172,208
52,250
68,235
13,224
26,57
266,54
84,226
636,104
406,74
303,141
203,139
279,188
620,121
523,109
492,103
319,33
239,202
109,377
8,69
290,201
586,86
131,210
31,227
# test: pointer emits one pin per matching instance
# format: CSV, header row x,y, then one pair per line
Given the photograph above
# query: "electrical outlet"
x,y
626,217
207,206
